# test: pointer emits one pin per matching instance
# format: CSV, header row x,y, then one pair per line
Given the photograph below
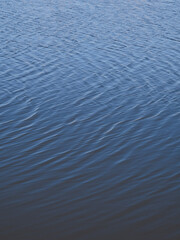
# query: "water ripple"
x,y
89,119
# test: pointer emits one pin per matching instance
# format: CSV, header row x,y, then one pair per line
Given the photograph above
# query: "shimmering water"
x,y
89,119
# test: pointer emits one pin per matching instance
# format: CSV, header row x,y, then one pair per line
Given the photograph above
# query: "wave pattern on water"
x,y
89,119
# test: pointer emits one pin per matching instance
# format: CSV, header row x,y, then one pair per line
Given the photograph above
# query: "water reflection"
x,y
89,119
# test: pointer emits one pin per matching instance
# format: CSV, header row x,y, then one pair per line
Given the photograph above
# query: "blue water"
x,y
89,119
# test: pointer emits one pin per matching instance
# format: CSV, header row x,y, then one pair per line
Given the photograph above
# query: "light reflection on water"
x,y
89,119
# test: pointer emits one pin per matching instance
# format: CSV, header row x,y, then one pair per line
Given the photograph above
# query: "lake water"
x,y
89,119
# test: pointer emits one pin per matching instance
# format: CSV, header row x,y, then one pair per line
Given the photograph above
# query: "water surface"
x,y
89,119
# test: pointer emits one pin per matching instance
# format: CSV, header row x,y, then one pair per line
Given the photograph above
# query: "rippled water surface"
x,y
89,119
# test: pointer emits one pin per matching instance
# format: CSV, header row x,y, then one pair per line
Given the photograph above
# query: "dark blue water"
x,y
89,119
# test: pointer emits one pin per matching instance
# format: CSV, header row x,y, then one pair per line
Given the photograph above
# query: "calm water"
x,y
89,119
